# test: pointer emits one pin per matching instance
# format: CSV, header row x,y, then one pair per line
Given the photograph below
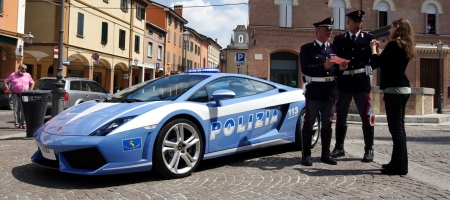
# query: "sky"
x,y
213,21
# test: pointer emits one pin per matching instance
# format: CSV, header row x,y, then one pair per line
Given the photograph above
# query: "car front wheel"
x,y
178,150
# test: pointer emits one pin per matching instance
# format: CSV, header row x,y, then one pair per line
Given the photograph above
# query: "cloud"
x,y
214,21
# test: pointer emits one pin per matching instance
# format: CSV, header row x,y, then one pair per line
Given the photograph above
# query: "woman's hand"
x,y
374,45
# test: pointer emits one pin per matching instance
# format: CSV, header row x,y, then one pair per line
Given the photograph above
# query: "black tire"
x,y
298,131
178,149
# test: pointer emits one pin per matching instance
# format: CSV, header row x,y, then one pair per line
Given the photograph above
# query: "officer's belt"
x,y
322,79
356,71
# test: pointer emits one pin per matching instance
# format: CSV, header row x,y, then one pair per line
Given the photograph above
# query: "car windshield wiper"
x,y
131,100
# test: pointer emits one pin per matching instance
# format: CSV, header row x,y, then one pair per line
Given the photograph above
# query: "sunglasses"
x,y
23,68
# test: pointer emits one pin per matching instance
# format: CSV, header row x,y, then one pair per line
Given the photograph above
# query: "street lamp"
x,y
28,41
441,97
136,62
186,36
59,92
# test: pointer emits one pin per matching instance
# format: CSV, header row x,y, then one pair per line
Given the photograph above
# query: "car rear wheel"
x,y
298,131
178,150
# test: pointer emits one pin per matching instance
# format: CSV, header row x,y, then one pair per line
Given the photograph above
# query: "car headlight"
x,y
107,128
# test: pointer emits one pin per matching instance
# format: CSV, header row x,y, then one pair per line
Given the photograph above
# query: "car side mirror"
x,y
220,95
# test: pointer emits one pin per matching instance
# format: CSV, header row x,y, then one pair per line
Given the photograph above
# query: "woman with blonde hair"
x,y
396,88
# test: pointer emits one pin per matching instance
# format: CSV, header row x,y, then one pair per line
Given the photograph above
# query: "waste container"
x,y
34,106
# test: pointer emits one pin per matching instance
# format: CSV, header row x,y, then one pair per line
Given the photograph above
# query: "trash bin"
x,y
34,106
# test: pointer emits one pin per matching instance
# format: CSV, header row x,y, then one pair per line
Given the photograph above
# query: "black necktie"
x,y
353,38
323,46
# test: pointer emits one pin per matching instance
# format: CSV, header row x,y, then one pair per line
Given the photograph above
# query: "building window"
x,y
174,59
150,49
1,6
174,38
159,52
80,25
168,57
431,19
136,43
339,14
124,5
104,39
192,46
140,12
168,35
180,40
121,39
383,14
170,19
176,23
181,27
241,39
285,14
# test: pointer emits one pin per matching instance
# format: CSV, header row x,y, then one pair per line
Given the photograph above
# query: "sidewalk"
x,y
434,118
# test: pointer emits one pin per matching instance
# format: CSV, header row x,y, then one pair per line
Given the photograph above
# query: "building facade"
x,y
12,27
213,53
173,22
276,37
236,54
197,50
155,46
101,39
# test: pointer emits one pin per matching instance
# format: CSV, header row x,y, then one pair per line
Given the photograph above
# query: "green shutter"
x,y
142,13
121,39
137,11
1,6
104,32
80,25
136,43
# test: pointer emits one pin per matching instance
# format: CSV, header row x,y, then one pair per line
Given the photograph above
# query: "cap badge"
x,y
331,20
359,13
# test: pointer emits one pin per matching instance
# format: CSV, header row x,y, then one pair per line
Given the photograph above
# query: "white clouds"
x,y
213,21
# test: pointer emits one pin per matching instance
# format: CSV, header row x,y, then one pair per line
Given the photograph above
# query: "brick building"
x,y
276,36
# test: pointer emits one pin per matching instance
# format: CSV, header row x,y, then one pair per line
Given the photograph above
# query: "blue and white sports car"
x,y
170,124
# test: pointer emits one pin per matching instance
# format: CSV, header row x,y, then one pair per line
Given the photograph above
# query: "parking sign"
x,y
240,57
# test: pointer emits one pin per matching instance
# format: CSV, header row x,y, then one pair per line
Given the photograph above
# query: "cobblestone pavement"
x,y
272,173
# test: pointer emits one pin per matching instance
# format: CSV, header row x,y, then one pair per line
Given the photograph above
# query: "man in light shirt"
x,y
20,81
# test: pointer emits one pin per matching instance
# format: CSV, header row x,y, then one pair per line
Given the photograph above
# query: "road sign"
x,y
66,62
95,56
240,57
55,50
157,65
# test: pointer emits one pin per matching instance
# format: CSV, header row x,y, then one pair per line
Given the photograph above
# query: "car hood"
x,y
84,118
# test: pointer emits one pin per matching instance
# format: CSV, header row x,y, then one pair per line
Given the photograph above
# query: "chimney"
x,y
179,9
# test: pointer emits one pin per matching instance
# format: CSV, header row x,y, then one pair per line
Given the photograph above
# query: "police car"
x,y
171,124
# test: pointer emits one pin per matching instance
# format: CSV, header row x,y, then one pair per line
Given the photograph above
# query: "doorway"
x,y
283,69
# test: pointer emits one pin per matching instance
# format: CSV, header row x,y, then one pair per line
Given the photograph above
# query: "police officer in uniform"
x,y
320,91
354,82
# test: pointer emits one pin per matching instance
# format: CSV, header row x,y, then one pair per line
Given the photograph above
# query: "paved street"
x,y
273,173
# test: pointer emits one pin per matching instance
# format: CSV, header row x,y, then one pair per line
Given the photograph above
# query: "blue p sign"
x,y
240,57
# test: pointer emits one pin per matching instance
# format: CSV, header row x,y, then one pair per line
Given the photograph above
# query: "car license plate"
x,y
48,153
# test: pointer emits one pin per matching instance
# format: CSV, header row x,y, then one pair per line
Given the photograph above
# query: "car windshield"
x,y
45,84
165,88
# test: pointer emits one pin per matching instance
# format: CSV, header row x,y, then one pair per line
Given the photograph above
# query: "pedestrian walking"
x,y
319,72
20,81
354,82
396,88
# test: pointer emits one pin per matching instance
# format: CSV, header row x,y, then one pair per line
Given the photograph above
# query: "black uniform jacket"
x,y
312,59
358,53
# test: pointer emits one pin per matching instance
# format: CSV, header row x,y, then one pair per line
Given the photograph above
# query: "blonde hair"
x,y
404,35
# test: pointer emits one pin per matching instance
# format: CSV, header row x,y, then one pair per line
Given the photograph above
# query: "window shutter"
x,y
137,11
80,24
104,32
136,43
142,13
